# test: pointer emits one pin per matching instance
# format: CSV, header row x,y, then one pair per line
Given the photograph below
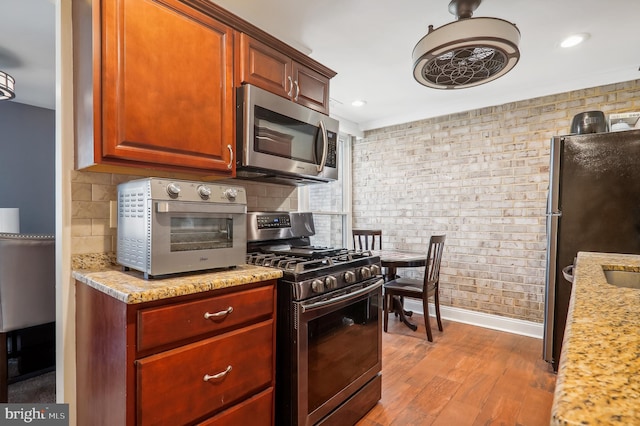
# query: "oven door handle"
x,y
344,297
178,207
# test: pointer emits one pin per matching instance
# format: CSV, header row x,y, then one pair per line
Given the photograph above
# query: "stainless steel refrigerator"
x,y
593,205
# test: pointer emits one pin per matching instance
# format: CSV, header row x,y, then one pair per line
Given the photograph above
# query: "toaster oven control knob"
x,y
317,286
231,193
365,272
350,277
331,282
173,189
204,192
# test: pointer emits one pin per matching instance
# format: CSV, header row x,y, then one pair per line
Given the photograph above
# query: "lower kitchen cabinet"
x,y
206,358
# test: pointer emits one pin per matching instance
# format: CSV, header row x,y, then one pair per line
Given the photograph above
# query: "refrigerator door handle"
x,y
567,273
550,286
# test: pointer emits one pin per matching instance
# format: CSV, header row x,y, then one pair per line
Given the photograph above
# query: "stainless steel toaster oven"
x,y
168,226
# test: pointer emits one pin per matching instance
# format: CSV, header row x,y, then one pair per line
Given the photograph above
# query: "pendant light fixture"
x,y
467,52
7,86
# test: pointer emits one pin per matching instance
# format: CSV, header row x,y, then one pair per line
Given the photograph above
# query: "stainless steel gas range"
x,y
329,330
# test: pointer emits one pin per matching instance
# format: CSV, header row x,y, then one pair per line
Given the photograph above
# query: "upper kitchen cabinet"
x,y
154,88
268,68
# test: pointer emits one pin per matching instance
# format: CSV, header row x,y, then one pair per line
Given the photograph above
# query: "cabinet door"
x,y
167,87
312,88
264,67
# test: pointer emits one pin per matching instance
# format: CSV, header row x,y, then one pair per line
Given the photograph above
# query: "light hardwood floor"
x,y
467,376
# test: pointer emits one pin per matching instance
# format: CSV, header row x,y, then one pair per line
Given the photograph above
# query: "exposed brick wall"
x,y
481,178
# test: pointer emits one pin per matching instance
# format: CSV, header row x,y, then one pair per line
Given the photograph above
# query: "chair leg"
x,y
436,301
386,306
425,308
4,367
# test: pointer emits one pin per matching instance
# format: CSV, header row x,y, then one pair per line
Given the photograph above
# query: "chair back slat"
x,y
434,258
365,239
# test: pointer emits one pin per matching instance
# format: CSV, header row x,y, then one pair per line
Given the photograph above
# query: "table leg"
x,y
397,303
398,309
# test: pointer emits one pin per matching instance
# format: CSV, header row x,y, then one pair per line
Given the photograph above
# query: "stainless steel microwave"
x,y
283,142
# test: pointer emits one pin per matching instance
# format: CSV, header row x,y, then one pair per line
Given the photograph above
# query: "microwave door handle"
x,y
325,147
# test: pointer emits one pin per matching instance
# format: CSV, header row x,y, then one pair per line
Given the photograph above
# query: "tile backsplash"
x,y
91,194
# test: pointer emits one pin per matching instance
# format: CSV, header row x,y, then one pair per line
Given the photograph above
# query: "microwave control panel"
x,y
332,148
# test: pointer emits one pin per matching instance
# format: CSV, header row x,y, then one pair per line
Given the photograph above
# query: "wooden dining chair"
x,y
419,289
366,239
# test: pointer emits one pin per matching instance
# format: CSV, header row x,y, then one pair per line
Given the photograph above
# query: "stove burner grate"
x,y
300,264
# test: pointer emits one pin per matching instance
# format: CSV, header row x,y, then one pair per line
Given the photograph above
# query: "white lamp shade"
x,y
10,220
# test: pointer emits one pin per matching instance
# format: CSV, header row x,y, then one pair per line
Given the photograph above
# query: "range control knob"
x,y
231,193
331,282
365,272
317,286
204,191
375,270
173,189
350,277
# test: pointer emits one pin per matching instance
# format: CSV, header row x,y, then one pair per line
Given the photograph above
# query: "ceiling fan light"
x,y
7,86
466,53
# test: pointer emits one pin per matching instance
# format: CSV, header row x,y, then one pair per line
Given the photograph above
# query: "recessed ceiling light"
x,y
574,40
358,103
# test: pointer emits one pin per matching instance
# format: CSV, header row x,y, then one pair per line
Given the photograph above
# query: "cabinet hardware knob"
x,y
217,376
230,148
224,313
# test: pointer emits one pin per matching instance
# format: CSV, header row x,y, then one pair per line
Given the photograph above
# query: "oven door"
x,y
339,348
188,236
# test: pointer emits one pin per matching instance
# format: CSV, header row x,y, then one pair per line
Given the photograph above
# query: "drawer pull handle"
x,y
224,313
217,376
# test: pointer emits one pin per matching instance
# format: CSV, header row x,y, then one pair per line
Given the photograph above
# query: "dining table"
x,y
391,260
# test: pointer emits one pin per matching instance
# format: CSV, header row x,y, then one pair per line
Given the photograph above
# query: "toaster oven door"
x,y
193,236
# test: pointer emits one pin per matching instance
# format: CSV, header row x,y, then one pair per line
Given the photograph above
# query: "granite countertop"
x,y
131,287
598,379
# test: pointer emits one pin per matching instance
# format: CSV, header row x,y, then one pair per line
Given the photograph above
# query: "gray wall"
x,y
27,165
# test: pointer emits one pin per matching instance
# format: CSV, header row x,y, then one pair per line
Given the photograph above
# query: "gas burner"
x,y
299,264
307,270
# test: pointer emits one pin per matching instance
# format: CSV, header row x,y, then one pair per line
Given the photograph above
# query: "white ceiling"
x,y
28,49
369,44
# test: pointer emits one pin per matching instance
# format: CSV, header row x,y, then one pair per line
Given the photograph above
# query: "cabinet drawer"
x,y
255,411
171,386
164,325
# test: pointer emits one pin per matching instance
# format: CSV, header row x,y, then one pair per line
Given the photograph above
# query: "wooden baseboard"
x,y
480,319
